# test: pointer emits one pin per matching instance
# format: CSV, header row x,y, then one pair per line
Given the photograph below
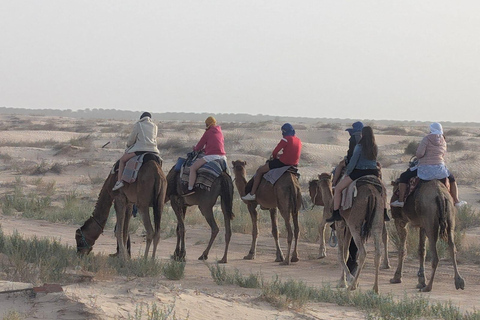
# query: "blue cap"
x,y
356,127
287,130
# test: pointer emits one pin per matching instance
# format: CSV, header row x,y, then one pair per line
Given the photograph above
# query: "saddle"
x,y
273,175
206,174
413,184
132,166
349,193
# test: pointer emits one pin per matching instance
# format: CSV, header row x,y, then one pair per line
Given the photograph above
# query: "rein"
x,y
83,241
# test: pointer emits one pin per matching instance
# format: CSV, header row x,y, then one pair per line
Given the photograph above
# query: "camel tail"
x,y
226,194
371,208
443,221
159,199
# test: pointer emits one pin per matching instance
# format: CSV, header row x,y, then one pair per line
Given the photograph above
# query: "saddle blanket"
x,y
274,174
350,193
130,172
206,174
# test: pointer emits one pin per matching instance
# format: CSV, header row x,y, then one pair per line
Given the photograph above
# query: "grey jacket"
x,y
358,161
143,137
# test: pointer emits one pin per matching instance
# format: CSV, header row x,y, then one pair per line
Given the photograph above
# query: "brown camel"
x,y
148,191
321,195
431,209
284,195
205,200
364,218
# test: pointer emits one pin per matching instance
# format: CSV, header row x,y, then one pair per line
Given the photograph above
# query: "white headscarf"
x,y
436,128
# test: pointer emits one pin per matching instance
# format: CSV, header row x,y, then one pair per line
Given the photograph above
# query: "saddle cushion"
x,y
206,174
130,172
349,193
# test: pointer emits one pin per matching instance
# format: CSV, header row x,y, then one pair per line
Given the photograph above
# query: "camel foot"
x,y
395,280
352,288
249,256
279,259
113,254
223,260
341,284
321,256
421,286
203,257
426,289
294,259
385,266
459,283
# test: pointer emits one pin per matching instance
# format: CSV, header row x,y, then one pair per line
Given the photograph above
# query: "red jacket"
x,y
212,142
292,146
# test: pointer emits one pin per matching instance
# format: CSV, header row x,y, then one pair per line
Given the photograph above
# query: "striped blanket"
x,y
206,174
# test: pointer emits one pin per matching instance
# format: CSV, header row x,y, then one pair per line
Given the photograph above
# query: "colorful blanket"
x,y
206,174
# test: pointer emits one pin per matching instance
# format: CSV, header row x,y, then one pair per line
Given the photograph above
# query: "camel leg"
x,y
321,230
361,255
147,224
433,248
459,282
288,226
386,262
295,233
344,238
273,217
378,253
254,216
228,235
180,253
421,256
120,208
401,226
126,223
207,212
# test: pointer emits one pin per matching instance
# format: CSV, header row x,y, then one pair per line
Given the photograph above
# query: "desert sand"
x,y
196,296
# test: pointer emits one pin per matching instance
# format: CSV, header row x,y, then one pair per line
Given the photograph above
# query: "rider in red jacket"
x,y
291,146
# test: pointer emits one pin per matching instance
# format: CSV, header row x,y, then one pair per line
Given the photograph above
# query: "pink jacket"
x,y
432,149
212,142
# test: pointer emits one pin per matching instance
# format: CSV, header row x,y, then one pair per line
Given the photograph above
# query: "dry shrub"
x,y
468,157
453,132
457,146
412,147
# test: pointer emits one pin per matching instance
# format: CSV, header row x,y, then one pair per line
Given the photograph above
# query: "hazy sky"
x,y
405,60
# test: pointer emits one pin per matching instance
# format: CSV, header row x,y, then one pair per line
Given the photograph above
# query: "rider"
x,y
291,146
355,135
362,163
143,139
212,143
431,165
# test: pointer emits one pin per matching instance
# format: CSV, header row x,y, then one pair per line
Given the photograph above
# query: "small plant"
x,y
467,217
13,315
411,148
174,270
457,146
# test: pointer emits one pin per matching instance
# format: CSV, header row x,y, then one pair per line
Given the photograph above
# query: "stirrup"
x,y
333,241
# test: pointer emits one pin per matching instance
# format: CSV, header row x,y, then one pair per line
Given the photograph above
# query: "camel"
x,y
284,195
431,209
148,191
205,200
364,218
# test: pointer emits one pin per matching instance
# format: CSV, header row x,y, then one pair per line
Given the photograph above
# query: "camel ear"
x,y
393,183
245,162
233,163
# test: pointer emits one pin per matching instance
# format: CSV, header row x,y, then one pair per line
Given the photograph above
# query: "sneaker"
x,y
249,197
460,204
118,185
397,204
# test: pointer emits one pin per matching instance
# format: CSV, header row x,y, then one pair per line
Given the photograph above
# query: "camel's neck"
x,y
240,183
95,224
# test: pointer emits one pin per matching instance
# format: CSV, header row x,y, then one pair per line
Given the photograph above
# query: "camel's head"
x,y
315,188
239,167
83,246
